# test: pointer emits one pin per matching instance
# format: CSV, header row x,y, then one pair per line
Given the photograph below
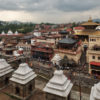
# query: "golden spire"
x,y
90,19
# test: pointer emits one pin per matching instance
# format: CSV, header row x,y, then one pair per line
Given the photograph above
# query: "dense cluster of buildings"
x,y
58,45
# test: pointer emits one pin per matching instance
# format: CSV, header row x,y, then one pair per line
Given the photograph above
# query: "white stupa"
x,y
95,92
16,33
56,59
98,28
5,68
23,74
3,33
59,85
10,32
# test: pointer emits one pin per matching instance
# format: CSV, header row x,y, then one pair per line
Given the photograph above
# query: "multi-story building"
x,y
69,47
90,28
93,55
42,51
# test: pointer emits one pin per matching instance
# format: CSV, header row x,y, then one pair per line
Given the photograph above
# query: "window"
x,y
99,58
93,57
92,39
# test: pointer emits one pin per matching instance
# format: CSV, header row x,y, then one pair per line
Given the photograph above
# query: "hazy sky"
x,y
58,11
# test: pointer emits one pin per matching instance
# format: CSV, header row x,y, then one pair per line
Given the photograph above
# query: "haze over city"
x,y
57,11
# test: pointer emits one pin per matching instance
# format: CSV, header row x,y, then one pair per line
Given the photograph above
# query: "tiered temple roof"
x,y
23,74
5,68
91,28
95,92
59,85
89,23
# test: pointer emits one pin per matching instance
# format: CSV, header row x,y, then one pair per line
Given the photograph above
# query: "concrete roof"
x,y
23,74
5,68
59,84
95,92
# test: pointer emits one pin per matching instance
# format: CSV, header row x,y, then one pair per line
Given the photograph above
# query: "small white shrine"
x,y
5,68
3,33
95,92
23,74
5,72
59,87
23,81
16,33
56,59
10,32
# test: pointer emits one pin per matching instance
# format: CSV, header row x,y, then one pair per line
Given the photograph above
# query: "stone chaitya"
x,y
5,72
95,92
59,87
23,81
56,59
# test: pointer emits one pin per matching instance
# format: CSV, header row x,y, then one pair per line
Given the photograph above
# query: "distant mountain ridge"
x,y
14,22
96,20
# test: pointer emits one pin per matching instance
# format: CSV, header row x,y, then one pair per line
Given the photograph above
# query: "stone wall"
x,y
24,90
4,80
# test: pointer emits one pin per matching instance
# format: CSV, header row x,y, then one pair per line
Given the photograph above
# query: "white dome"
x,y
3,33
95,92
16,33
98,28
10,32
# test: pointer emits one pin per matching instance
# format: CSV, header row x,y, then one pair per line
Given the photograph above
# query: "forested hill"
x,y
16,26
